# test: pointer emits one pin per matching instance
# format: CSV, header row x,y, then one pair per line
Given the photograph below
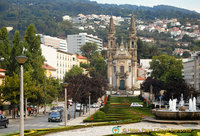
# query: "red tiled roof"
x,y
140,78
46,66
80,57
2,70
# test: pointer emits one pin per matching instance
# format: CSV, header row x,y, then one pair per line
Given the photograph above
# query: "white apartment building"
x,y
75,42
54,42
192,71
61,60
64,63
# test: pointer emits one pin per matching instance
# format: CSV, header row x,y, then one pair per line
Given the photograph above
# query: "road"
x,y
40,121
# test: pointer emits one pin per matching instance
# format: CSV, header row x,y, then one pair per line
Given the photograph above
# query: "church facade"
x,y
122,59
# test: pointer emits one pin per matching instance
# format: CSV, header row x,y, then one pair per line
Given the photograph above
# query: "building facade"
x,y
62,61
75,42
54,42
50,71
192,71
122,60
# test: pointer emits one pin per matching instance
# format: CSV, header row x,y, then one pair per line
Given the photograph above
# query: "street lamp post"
x,y
89,102
65,85
21,60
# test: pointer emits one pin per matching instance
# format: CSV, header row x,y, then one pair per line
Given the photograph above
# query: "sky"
x,y
187,4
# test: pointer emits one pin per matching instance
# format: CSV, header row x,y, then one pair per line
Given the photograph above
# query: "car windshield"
x,y
55,113
59,107
53,108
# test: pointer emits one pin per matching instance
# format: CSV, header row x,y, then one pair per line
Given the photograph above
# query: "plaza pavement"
x,y
105,130
141,126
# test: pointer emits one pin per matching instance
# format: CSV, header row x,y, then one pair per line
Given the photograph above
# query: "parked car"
x,y
70,102
79,107
134,104
94,105
55,116
4,121
57,109
60,108
53,109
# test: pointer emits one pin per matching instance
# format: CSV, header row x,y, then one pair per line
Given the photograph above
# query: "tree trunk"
x,y
26,108
86,108
80,110
13,113
75,111
83,110
38,109
45,108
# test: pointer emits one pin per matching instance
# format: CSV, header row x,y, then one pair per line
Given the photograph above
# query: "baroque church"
x,y
122,59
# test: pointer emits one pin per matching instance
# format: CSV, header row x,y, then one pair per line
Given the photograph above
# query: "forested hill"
x,y
47,14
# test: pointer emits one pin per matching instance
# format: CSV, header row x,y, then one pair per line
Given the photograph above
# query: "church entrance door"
x,y
122,85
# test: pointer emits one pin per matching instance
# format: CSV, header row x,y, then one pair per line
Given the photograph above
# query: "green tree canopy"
x,y
98,67
166,68
34,54
75,70
88,49
17,50
5,48
186,54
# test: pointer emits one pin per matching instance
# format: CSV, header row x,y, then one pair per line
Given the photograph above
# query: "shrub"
x,y
99,115
105,108
108,97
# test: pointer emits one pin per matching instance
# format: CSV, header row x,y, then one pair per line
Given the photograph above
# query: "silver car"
x,y
135,104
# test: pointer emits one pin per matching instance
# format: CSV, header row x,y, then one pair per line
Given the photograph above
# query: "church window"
x,y
121,69
111,44
129,68
114,68
132,44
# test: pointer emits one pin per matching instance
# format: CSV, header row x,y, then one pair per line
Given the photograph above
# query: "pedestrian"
x,y
29,111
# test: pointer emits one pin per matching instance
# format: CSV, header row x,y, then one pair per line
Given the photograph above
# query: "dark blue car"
x,y
3,121
55,116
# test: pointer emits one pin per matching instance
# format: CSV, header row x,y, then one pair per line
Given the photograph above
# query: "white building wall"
x,y
50,55
192,71
75,42
54,42
58,59
64,63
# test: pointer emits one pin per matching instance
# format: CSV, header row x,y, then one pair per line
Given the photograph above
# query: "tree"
x,y
10,91
88,49
175,89
187,38
104,53
166,68
186,54
75,70
16,50
98,66
156,84
5,48
80,86
34,54
84,65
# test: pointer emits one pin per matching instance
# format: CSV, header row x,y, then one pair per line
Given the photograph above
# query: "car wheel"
x,y
6,125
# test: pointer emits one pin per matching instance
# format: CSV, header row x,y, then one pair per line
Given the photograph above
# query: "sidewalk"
x,y
79,120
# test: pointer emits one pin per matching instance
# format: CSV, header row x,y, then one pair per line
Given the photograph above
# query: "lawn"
x,y
118,109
